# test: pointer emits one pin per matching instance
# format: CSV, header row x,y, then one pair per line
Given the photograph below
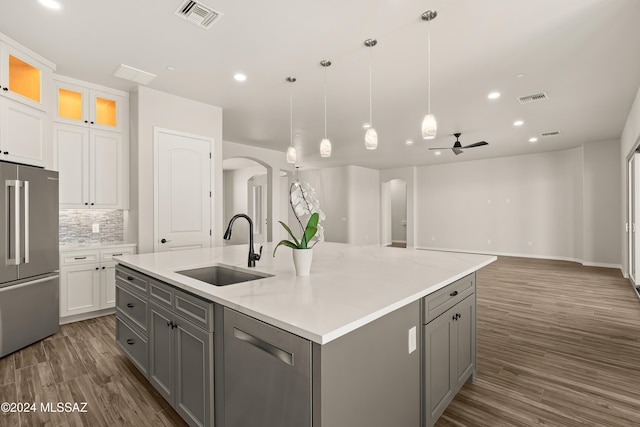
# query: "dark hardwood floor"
x,y
558,345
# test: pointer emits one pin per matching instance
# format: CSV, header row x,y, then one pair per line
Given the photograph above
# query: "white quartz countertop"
x,y
349,285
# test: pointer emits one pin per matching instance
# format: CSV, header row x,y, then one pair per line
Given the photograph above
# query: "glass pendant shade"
x,y
325,148
291,155
371,139
429,126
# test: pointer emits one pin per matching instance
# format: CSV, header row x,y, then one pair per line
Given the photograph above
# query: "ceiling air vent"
x,y
199,13
549,134
542,96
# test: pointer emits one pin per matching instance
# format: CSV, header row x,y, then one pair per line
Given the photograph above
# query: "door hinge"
x,y
210,233
209,155
209,194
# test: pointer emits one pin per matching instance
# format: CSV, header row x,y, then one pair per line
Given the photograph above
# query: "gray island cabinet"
x,y
338,348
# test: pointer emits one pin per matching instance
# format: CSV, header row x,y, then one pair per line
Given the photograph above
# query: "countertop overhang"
x,y
349,285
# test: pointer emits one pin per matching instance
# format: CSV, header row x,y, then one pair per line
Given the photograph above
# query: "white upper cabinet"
x,y
22,133
92,168
23,77
83,104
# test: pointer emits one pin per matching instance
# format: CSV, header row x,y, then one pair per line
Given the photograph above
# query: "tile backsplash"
x,y
76,226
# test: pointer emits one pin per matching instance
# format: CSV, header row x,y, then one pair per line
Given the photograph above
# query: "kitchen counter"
x,y
92,246
349,286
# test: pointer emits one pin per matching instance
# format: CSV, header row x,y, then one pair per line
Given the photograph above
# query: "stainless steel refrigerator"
x,y
29,261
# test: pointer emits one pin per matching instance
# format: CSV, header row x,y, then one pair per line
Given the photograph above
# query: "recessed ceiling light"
x,y
518,123
409,142
437,153
51,4
239,77
534,139
520,75
366,125
494,95
170,68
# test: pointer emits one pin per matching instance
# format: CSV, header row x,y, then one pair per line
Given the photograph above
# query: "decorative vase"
x,y
302,261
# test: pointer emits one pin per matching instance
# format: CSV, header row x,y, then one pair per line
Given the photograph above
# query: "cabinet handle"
x,y
280,354
5,89
454,317
174,325
130,305
453,294
104,268
116,254
6,152
129,278
80,257
169,323
131,341
97,268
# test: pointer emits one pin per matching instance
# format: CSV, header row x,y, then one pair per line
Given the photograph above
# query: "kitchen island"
x,y
358,325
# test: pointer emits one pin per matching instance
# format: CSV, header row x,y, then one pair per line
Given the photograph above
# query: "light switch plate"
x,y
412,340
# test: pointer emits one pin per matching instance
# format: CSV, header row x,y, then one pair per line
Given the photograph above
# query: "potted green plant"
x,y
305,205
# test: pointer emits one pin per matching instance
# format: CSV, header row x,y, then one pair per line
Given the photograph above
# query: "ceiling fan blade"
x,y
435,148
477,144
457,150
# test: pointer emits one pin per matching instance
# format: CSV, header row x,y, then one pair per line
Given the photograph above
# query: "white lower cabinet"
x,y
87,281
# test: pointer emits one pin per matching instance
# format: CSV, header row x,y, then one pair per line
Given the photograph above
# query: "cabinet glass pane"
x,y
105,111
24,79
69,104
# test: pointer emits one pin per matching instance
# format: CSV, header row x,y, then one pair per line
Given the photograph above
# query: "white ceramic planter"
x,y
302,261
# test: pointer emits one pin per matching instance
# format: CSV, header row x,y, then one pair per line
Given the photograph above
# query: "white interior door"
x,y
182,191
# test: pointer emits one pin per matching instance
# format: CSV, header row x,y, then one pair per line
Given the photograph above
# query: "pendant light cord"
x,y
429,65
325,102
291,112
370,98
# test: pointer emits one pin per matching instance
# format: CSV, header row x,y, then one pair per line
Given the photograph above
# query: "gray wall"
x,y
562,204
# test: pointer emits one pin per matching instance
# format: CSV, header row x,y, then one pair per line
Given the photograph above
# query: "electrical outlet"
x,y
95,228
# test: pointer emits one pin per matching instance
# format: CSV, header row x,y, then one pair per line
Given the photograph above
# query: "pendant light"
x,y
429,124
371,136
291,151
325,144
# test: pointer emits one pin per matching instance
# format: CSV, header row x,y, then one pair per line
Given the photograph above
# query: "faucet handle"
x,y
257,256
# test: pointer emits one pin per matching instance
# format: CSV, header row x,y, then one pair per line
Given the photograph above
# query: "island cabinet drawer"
x,y
445,298
133,344
131,306
139,281
194,309
161,293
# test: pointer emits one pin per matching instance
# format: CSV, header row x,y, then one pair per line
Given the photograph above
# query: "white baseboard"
x,y
511,254
86,316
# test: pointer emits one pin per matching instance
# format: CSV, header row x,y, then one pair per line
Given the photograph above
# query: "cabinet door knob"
x,y
130,305
97,268
169,323
91,122
5,89
131,341
129,278
86,204
6,152
454,317
453,294
92,203
86,121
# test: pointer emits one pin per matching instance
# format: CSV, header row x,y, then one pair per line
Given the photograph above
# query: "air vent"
x,y
542,96
199,13
135,75
549,134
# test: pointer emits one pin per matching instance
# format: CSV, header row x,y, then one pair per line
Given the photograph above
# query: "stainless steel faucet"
x,y
253,257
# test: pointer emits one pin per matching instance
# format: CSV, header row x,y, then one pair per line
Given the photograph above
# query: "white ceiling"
x,y
583,53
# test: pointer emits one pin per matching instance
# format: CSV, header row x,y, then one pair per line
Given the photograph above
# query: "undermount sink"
x,y
219,275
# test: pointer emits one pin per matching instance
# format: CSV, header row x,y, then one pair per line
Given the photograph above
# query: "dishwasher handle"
x,y
278,353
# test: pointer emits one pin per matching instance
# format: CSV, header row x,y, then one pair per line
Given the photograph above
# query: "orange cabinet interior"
x,y
105,111
24,79
69,104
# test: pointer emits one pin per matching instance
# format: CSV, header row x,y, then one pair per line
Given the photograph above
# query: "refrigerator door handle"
x,y
26,221
16,184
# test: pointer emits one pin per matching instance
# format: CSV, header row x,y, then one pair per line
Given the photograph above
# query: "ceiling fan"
x,y
457,147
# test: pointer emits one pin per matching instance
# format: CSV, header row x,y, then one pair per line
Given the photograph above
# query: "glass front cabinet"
x,y
85,106
23,78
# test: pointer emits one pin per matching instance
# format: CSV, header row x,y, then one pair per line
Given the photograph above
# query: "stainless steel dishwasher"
x,y
267,374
